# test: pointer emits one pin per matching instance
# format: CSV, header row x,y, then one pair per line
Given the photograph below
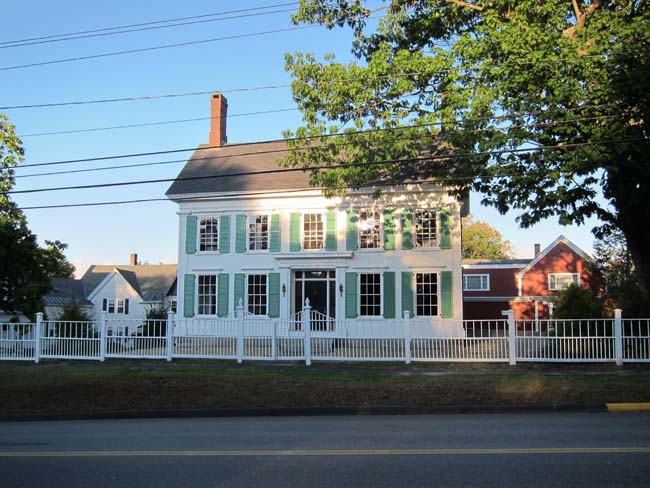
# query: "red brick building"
x,y
525,285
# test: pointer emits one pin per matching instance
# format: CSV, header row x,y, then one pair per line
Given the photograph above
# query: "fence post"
x,y
240,332
169,343
103,336
407,337
512,336
306,327
618,336
274,340
37,337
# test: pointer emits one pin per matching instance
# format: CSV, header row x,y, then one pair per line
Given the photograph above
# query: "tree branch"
x,y
467,4
581,17
576,8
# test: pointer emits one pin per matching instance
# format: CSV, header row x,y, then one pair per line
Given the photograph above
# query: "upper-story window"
x,y
476,282
558,281
425,228
258,233
370,230
313,232
111,305
207,295
209,234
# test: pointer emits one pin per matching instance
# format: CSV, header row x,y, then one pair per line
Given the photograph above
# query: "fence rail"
x,y
309,336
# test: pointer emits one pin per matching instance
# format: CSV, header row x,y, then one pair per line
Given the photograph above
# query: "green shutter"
x,y
389,294
447,294
188,296
389,230
276,242
224,233
445,228
407,229
330,236
240,234
190,234
351,232
294,232
407,292
274,295
351,295
240,285
222,295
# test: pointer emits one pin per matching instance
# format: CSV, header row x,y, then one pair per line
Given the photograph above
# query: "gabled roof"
x,y
151,281
541,255
64,291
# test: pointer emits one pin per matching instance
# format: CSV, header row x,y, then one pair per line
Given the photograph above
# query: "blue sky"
x,y
108,234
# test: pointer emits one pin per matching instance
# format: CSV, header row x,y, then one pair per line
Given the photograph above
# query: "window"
x,y
558,281
120,306
173,304
425,228
426,294
258,233
207,295
256,294
312,231
209,234
476,282
370,294
111,306
369,230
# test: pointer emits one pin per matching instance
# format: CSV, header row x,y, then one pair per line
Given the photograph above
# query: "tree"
x,y
482,241
541,106
577,302
25,267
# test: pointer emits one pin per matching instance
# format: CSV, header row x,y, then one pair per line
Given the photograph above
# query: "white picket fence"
x,y
309,335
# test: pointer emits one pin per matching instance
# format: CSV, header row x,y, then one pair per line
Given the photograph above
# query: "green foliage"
x,y
55,263
155,324
482,241
468,83
577,302
74,312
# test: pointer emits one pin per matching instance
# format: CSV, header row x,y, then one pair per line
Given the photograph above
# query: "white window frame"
x,y
247,296
173,304
380,226
199,294
552,278
436,241
251,218
323,221
485,281
415,293
110,304
381,295
199,233
119,304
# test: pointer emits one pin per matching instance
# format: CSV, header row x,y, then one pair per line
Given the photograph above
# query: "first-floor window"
x,y
370,294
426,294
207,295
256,294
209,234
258,233
476,282
558,281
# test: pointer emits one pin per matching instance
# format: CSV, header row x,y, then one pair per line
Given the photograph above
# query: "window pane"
x,y
370,294
209,234
369,230
258,233
256,295
425,228
426,294
207,295
312,235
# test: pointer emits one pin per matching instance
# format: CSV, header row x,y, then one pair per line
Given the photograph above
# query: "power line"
x,y
340,134
158,163
150,27
327,166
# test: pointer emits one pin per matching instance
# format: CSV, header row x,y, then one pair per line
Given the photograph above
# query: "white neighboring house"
x,y
271,242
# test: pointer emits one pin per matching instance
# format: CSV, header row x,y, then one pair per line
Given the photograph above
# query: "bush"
x,y
576,302
155,324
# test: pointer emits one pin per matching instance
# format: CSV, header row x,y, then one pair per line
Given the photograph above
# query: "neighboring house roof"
x,y
548,249
475,263
64,291
151,281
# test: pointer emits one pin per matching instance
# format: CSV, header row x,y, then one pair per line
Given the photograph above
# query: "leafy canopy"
x,y
482,241
542,106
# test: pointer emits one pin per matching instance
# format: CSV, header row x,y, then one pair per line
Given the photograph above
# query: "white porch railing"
x,y
309,335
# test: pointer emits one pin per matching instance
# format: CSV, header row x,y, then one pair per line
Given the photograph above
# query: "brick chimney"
x,y
134,259
218,112
538,248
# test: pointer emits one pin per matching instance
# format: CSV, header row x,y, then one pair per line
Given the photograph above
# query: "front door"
x,y
319,286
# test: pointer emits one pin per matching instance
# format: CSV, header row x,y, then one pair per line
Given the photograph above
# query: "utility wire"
x,y
193,160
140,29
326,166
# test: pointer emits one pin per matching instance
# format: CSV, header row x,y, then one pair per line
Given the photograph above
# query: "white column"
x,y
306,327
102,336
170,335
512,336
407,336
240,331
618,336
37,337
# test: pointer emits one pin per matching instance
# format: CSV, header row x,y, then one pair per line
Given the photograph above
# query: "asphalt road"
x,y
504,450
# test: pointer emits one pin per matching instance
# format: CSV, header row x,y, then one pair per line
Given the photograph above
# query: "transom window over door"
x,y
313,232
369,230
425,228
207,295
258,233
426,294
256,294
209,234
370,294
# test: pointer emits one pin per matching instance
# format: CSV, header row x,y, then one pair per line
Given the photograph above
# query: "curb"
x,y
628,407
316,411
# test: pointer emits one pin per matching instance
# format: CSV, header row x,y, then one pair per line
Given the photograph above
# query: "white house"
x,y
270,241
